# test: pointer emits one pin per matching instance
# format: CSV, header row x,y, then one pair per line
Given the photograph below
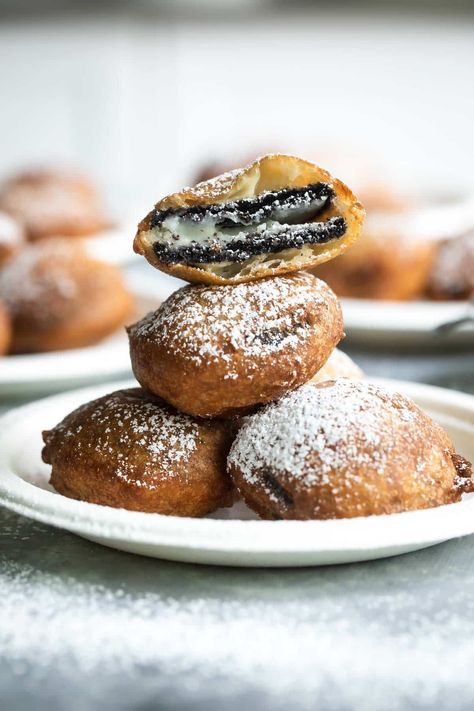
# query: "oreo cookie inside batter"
x,y
238,230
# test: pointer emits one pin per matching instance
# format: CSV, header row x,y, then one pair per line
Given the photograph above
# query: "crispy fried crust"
x,y
60,298
52,203
386,265
349,449
269,173
452,274
174,465
218,350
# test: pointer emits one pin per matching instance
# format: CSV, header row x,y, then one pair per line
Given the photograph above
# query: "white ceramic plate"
x,y
408,323
37,374
230,537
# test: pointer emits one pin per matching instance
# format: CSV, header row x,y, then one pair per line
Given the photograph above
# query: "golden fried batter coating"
x,y
5,330
131,450
58,297
382,265
218,350
277,215
452,275
343,449
52,204
338,365
11,237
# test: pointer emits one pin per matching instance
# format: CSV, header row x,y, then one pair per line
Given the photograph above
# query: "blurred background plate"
x,y
407,323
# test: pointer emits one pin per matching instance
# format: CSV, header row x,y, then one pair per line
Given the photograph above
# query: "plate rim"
x,y
379,318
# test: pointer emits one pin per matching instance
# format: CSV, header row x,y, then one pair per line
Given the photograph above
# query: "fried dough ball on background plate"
x,y
452,274
5,330
343,449
52,203
131,450
219,350
338,365
275,216
11,237
59,298
383,264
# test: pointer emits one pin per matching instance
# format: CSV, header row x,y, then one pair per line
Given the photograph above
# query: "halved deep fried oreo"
x,y
278,215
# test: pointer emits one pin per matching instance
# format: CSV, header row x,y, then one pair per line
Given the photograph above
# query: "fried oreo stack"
x,y
252,325
252,334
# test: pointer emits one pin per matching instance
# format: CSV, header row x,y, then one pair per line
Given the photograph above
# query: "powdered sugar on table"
x,y
106,628
318,419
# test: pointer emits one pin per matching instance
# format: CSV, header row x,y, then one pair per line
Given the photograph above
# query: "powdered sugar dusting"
x,y
40,279
138,435
52,204
122,631
213,324
327,420
218,187
220,183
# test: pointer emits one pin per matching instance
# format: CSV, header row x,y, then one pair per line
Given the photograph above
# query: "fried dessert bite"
x,y
338,365
218,350
277,215
452,274
131,450
58,297
375,191
385,264
52,203
11,237
5,330
343,449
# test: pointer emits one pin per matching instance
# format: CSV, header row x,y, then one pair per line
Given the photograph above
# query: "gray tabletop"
x,y
84,627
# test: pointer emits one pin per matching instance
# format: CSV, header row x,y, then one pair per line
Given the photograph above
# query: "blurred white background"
x,y
140,95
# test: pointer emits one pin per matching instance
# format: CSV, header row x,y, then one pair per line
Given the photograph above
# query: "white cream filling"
x,y
176,229
185,232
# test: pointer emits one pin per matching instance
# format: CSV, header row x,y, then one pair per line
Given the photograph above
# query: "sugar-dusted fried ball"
x,y
52,203
131,450
218,350
344,449
338,365
11,237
